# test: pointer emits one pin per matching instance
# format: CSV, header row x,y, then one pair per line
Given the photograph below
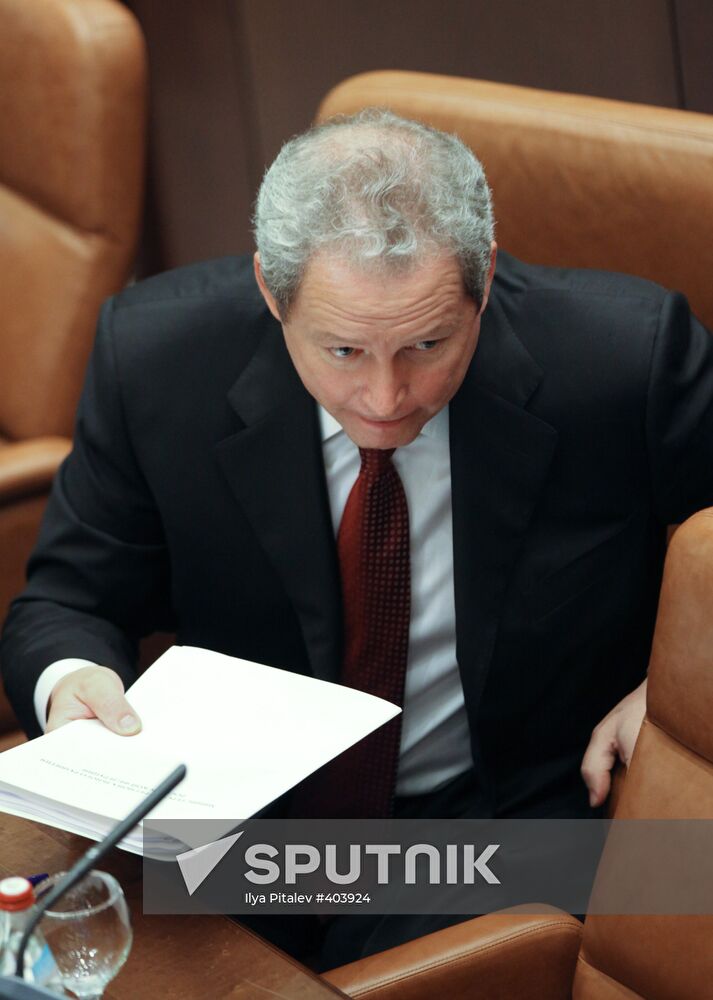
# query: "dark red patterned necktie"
x,y
373,546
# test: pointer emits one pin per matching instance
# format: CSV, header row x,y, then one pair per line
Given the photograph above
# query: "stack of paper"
x,y
246,732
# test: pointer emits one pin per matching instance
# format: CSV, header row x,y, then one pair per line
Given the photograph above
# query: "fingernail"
x,y
128,722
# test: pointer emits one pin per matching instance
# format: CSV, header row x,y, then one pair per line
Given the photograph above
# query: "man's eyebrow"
x,y
442,330
336,337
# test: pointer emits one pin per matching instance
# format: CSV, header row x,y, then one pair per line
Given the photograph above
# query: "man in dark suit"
x,y
551,437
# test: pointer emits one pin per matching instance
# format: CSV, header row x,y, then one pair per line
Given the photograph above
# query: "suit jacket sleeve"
x,y
679,413
99,576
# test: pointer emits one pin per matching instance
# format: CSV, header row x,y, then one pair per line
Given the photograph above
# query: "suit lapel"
x,y
275,469
500,455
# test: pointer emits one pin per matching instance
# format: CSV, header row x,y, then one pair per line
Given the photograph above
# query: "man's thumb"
x,y
129,724
117,714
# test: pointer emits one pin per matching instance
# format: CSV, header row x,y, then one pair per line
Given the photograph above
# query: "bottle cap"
x,y
16,893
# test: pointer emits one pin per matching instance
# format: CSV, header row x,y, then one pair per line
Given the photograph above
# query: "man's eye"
x,y
342,352
426,345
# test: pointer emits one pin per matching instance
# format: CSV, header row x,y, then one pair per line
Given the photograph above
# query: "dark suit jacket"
x,y
195,500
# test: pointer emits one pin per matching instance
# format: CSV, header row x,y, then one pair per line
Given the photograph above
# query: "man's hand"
x,y
614,737
89,693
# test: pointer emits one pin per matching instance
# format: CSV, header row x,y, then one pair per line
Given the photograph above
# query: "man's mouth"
x,y
383,423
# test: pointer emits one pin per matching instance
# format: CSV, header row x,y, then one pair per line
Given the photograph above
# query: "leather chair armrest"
x,y
508,955
27,467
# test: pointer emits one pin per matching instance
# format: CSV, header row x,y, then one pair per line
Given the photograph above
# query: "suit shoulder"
x,y
190,328
212,307
579,320
210,280
592,334
515,277
176,343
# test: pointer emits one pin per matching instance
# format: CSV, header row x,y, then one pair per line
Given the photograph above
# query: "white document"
x,y
246,732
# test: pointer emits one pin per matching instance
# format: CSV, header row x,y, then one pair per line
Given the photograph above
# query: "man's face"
x,y
383,354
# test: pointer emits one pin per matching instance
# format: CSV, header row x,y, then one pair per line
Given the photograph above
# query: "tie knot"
x,y
375,461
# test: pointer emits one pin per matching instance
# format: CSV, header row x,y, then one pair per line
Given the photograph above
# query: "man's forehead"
x,y
368,286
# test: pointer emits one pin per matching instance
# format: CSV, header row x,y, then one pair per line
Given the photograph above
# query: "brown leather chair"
x,y
72,139
507,956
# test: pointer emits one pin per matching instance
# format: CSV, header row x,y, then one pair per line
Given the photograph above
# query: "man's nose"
x,y
385,391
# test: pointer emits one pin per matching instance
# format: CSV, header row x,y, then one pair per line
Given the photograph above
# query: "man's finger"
x,y
614,737
598,760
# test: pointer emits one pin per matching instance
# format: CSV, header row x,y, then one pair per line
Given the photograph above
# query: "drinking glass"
x,y
89,932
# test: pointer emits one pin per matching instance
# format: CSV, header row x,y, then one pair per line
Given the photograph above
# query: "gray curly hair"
x,y
377,190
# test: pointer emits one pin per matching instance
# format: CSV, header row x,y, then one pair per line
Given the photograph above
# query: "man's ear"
x,y
491,273
264,290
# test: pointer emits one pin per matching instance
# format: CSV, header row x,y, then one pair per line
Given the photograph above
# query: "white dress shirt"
x,y
435,741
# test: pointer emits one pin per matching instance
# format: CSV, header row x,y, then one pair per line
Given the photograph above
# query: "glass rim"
x,y
113,885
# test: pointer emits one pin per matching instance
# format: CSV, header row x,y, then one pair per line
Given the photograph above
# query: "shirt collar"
x,y
436,428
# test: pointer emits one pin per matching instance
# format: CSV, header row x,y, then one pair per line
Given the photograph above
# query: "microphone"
x,y
15,987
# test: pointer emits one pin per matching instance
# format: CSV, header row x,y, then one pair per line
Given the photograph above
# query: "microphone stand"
x,y
15,987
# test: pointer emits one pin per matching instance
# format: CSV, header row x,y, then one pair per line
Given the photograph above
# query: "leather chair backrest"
x,y
72,124
670,777
577,181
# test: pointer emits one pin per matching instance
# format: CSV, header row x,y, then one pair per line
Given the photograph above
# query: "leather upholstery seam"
x,y
615,982
97,234
462,956
676,740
